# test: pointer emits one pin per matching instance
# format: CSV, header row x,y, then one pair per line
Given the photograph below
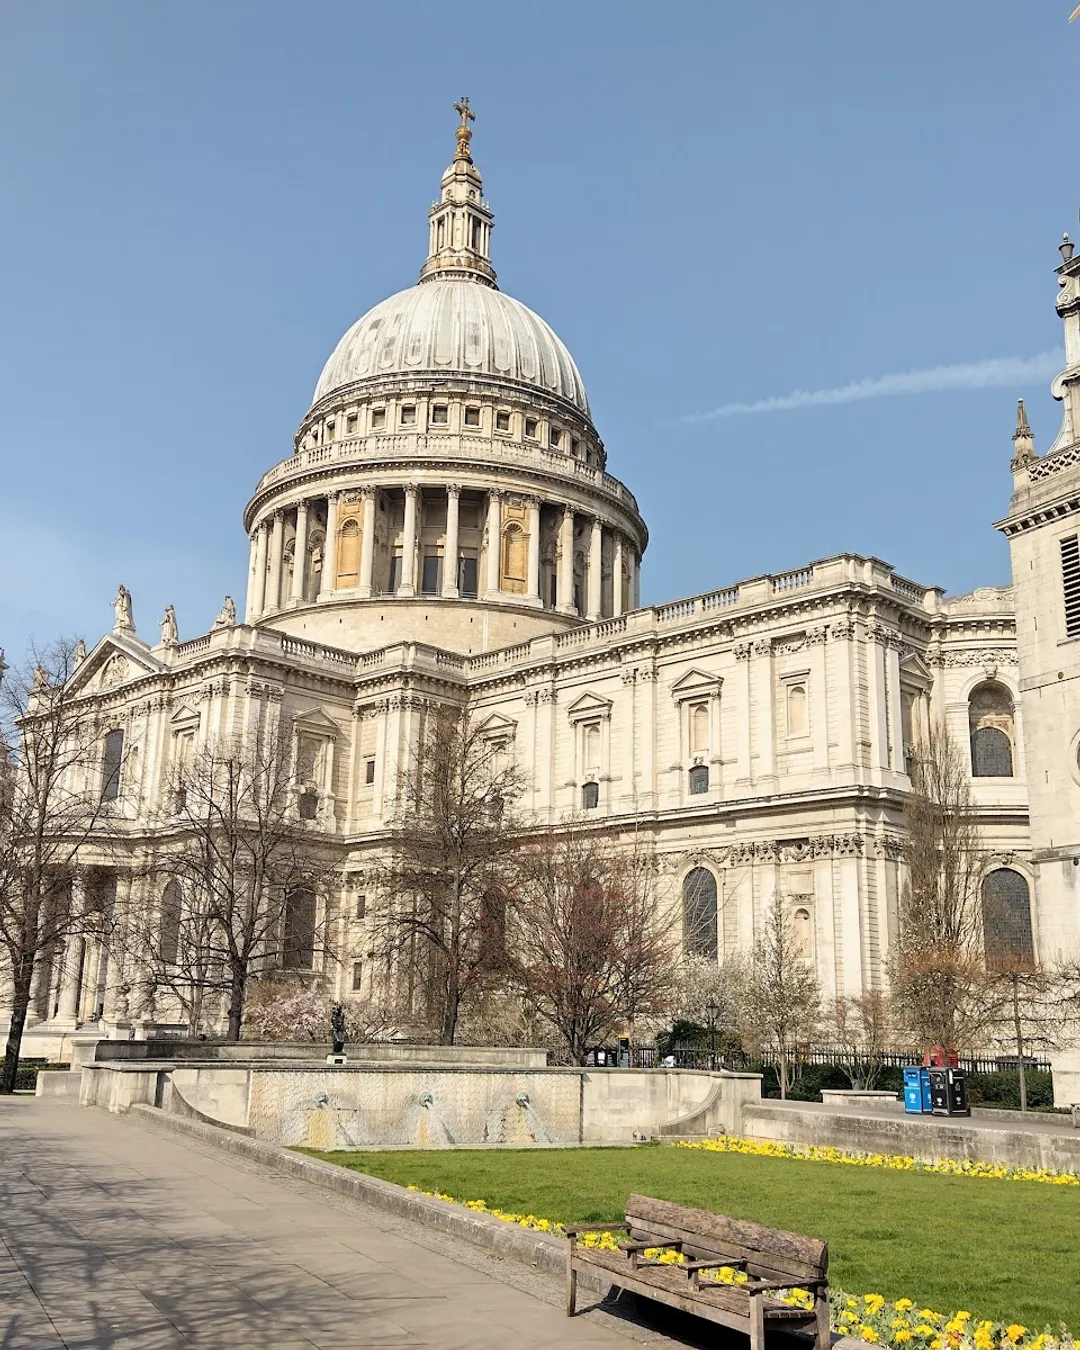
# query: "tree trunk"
x,y
782,1074
448,1030
19,1008
1019,1030
237,992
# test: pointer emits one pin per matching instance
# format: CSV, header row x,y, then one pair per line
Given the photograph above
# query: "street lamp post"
x,y
712,1011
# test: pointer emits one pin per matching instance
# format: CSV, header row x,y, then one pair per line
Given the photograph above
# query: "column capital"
x,y
496,493
367,494
533,503
412,489
453,489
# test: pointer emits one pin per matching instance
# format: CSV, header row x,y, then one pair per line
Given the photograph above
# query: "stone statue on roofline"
x,y
226,614
170,634
125,621
78,656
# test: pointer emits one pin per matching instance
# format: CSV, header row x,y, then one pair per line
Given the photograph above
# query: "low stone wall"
x,y
1054,1146
434,1105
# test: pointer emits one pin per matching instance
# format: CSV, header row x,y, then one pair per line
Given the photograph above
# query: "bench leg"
x,y
757,1322
571,1288
821,1310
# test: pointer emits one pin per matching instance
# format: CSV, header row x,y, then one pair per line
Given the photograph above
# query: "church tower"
x,y
1043,529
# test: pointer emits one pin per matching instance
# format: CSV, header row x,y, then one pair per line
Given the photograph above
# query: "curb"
x,y
504,1240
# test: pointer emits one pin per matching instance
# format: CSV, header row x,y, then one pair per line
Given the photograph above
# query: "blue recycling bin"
x,y
913,1091
927,1096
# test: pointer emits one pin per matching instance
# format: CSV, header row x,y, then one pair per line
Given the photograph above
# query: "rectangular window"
x,y
357,976
467,577
369,771
1070,575
575,448
440,414
502,421
395,573
408,415
554,437
530,428
361,906
472,417
350,424
378,419
110,766
429,581
330,431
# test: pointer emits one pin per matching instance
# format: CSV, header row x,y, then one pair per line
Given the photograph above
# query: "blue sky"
x,y
714,204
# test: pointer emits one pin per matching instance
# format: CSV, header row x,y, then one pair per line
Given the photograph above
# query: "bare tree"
x,y
781,1001
939,978
57,787
440,921
858,1026
592,950
245,875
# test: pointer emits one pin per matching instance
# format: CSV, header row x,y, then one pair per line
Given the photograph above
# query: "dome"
x,y
454,326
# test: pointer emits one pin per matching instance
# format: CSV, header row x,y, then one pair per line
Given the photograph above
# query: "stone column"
x,y
74,954
635,579
258,583
450,542
119,972
596,563
494,540
564,578
532,587
616,577
367,544
299,574
408,545
249,608
329,566
277,553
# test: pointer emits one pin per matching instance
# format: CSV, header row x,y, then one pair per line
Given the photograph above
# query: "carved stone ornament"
x,y
975,656
843,631
115,670
742,651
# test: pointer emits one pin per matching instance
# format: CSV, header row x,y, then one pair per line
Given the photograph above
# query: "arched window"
x,y
172,900
699,914
348,569
804,934
590,796
796,710
591,748
298,949
111,763
515,558
699,728
699,779
990,720
1006,906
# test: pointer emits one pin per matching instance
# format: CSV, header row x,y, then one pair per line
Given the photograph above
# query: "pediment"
x,y
185,715
497,725
696,681
317,721
915,669
589,705
115,661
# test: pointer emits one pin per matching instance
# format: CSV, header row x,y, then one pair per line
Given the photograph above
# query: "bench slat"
x,y
774,1250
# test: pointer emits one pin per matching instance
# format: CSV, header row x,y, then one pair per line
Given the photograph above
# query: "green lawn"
x,y
1001,1249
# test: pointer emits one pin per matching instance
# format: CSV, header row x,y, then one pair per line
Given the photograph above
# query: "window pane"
x,y
590,796
110,767
991,754
299,946
395,572
699,914
357,975
429,583
699,778
1007,921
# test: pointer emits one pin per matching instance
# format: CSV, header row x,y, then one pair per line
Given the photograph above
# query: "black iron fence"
x,y
694,1055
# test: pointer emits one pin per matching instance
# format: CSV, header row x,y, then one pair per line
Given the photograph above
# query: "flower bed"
x,y
866,1317
895,1162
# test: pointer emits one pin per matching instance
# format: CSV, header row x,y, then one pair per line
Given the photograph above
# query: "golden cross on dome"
x,y
464,132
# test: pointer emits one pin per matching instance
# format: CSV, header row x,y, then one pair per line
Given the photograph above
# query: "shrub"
x,y
1002,1089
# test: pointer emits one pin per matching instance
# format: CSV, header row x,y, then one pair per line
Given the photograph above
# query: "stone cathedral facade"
x,y
448,529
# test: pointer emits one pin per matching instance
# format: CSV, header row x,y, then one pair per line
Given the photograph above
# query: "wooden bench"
x,y
772,1259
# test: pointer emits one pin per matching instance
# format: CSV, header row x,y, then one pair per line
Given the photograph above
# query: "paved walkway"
x,y
112,1236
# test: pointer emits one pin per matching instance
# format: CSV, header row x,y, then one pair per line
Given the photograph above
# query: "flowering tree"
x,y
283,1009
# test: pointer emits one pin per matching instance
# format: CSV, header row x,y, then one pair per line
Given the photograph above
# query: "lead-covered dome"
x,y
454,326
